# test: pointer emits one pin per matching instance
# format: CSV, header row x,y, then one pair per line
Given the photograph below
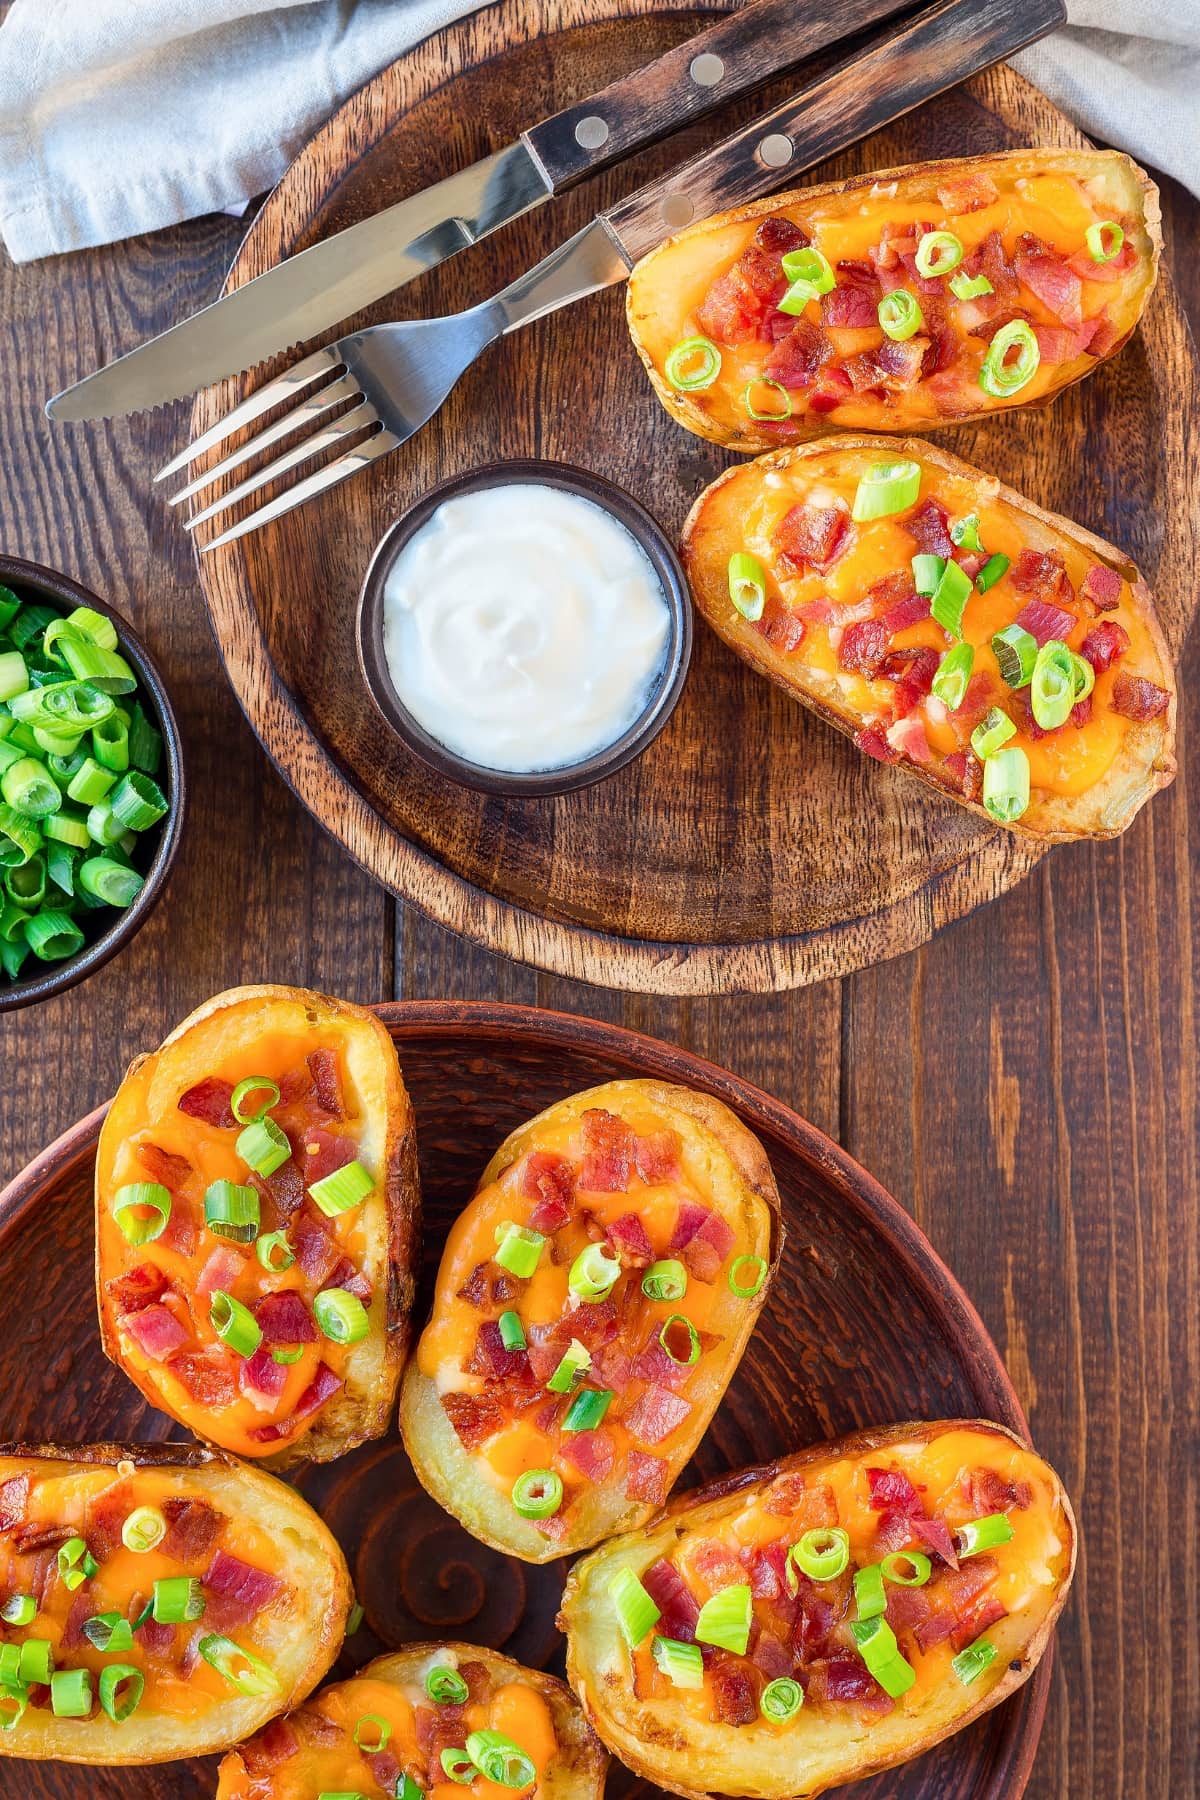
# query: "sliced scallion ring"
x,y
1006,785
692,365
518,1249
19,1609
666,1280
265,1147
111,1633
36,1662
587,1409
446,1687
992,570
969,287
970,1663
992,733
1104,240
575,1363
886,488
248,1673
142,1209
746,1276
899,313
682,1664
500,1760
71,1693
512,1332
822,1553
984,1534
952,676
13,1701
725,1619
747,585
965,532
234,1323
876,1643
345,1188
869,1597
593,1274
636,1612
1085,676
457,1766
927,572
72,1560
937,254
341,1316
998,376
808,264
685,1353
274,1252
752,392
1015,649
177,1599
372,1734
252,1097
1052,686
949,598
231,1211
781,1700
144,1527
906,1568
537,1494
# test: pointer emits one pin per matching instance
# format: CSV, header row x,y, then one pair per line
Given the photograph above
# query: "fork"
x,y
393,378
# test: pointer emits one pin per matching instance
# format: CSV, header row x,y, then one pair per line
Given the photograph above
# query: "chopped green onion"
x,y
991,733
746,1286
67,708
53,936
145,742
341,1316
984,1534
36,1662
965,532
138,802
13,1701
969,287
822,1553
576,1362
512,1332
1006,785
593,1273
636,1612
809,275
103,669
1104,240
143,1529
937,253
755,412
21,833
1085,676
14,676
950,597
85,621
26,884
110,743
71,1693
1015,649
10,606
900,315
231,1211
927,572
672,1327
666,1280
457,1766
177,1598
90,782
61,863
886,488
286,1354
68,828
9,754
445,1686
587,1409
110,881
121,1706
781,1700
241,1668
692,365
354,1622
234,1323
992,570
747,585
952,676
142,1209
29,786
265,1148
372,1734
972,1661
876,1642
537,1494
274,1252
338,1192
19,1609
906,1568
1001,378
518,1249
253,1084
725,1619
109,1632
1052,687
682,1664
10,1664
500,1760
31,623
58,747
869,1597
104,827
406,1789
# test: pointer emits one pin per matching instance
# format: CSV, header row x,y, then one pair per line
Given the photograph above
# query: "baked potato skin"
x,y
302,1656
579,1770
448,1471
666,285
672,1752
1144,764
362,1409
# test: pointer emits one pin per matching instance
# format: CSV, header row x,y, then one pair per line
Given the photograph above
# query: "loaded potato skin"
x,y
383,1733
845,1609
257,1224
160,1601
592,1305
1061,246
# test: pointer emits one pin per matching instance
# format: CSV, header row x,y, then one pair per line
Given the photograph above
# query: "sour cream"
x,y
524,627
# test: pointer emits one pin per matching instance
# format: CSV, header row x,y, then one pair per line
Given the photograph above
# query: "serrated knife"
x,y
313,291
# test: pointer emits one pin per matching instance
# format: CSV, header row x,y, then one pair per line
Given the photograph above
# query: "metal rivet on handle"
x,y
677,211
706,70
591,133
775,151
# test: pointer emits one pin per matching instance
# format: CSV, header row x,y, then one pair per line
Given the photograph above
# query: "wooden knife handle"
x,y
918,58
738,54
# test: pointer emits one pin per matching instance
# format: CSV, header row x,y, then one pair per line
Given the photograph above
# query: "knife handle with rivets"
x,y
732,58
917,59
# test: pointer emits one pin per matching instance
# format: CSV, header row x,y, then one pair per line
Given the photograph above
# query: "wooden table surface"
x,y
1026,1084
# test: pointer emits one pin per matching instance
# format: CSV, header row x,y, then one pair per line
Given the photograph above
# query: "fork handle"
x,y
917,59
731,58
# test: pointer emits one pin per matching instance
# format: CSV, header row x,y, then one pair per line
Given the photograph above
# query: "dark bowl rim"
x,y
62,590
641,525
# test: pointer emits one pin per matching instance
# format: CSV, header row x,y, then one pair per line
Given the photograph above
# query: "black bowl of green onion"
x,y
91,783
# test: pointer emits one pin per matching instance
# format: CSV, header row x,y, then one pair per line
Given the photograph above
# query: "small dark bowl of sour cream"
x,y
525,628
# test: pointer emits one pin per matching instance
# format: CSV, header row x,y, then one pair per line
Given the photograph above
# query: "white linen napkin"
x,y
120,116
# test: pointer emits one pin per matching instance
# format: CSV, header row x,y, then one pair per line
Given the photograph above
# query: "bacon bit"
x,y
316,1251
1045,622
731,312
763,274
656,1157
988,1613
262,1379
768,1572
691,1217
628,1239
138,1288
970,562
593,1322
156,1332
295,1085
674,1599
702,1239
943,338
236,1591
1119,265
325,1068
161,1166
872,741
988,258
1104,643
863,647
864,375
14,1497
844,1678
324,1153
478,1680
550,1180
193,1527
273,1745
769,1654
612,1366
733,1696
907,1608
797,359
909,611
988,1492
490,1359
205,1374
715,1564
283,1187
1136,698
592,1452
812,536
891,1489
648,1478
656,1415
1101,588
609,1149
781,628
32,1537
912,671
900,364
1053,282
853,303
475,1417
438,1729
934,1533
348,1276
477,1288
220,1271
907,736
1107,337
1081,712
1043,574
967,193
929,528
155,1638
781,235
652,1363
209,1100
323,1386
284,1318
953,1599
1059,344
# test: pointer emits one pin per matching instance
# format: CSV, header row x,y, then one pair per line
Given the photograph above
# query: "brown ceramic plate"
x,y
865,1325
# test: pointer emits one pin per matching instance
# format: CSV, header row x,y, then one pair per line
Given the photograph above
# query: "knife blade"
x,y
314,290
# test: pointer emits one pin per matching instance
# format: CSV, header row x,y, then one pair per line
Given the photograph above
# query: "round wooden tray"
x,y
752,848
866,1325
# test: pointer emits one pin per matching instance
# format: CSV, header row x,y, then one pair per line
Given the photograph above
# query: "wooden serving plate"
x,y
866,1325
752,848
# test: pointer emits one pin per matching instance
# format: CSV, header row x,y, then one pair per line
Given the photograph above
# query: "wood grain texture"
x,y
739,871
865,1325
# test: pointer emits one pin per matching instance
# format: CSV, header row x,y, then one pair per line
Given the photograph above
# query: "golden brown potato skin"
x,y
662,1743
306,1646
579,1772
667,284
1146,761
449,1471
363,1408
